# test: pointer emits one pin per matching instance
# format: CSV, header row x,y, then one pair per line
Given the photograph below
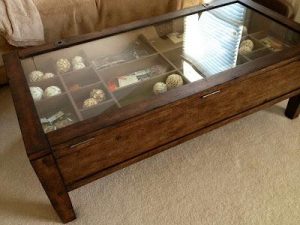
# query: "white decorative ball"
x,y
78,66
77,59
174,81
160,88
52,91
245,50
63,65
90,102
36,76
98,94
48,76
36,93
247,43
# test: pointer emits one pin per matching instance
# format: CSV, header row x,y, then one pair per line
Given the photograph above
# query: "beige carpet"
x,y
246,173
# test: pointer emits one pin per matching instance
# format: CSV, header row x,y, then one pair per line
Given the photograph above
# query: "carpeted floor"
x,y
246,173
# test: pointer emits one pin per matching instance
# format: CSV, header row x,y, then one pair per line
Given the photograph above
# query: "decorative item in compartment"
x,y
90,96
56,113
176,37
170,36
81,78
98,94
137,76
127,74
72,62
89,103
36,93
142,91
57,121
36,76
270,41
248,45
46,89
63,65
135,50
52,91
174,81
96,97
48,76
273,44
160,88
78,63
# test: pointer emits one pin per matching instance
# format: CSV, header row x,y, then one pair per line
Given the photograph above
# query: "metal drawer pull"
x,y
210,94
82,143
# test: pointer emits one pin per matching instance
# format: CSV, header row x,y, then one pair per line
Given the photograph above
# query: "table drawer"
x,y
111,146
114,145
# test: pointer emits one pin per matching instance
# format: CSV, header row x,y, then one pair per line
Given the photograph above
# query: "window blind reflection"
x,y
212,38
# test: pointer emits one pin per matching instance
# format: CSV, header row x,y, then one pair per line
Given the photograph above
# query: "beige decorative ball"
x,y
52,91
78,66
36,93
36,76
63,65
160,88
245,50
174,81
98,94
77,59
247,43
90,102
48,76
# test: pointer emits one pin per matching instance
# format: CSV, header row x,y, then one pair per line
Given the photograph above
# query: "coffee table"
x,y
90,105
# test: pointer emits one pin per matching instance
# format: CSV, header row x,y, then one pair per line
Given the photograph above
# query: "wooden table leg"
x,y
52,182
293,107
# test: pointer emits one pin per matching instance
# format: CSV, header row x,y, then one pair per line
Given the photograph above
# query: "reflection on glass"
x,y
106,75
212,38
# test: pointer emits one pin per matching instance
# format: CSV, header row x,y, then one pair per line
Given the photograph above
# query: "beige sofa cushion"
x,y
74,17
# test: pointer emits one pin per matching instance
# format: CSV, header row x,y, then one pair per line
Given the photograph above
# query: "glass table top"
x,y
87,80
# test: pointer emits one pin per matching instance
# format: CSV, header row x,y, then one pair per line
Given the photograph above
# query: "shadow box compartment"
x,y
44,85
80,79
163,42
31,65
141,91
48,107
110,76
278,45
81,95
175,57
136,50
50,59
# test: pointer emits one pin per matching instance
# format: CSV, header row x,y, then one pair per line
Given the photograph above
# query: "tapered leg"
x,y
293,108
50,177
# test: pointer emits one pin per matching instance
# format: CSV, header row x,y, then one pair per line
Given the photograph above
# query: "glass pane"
x,y
86,80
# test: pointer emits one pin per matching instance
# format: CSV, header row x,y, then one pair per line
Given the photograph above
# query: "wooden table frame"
x,y
39,145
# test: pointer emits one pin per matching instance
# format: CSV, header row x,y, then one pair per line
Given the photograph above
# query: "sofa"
x,y
66,18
